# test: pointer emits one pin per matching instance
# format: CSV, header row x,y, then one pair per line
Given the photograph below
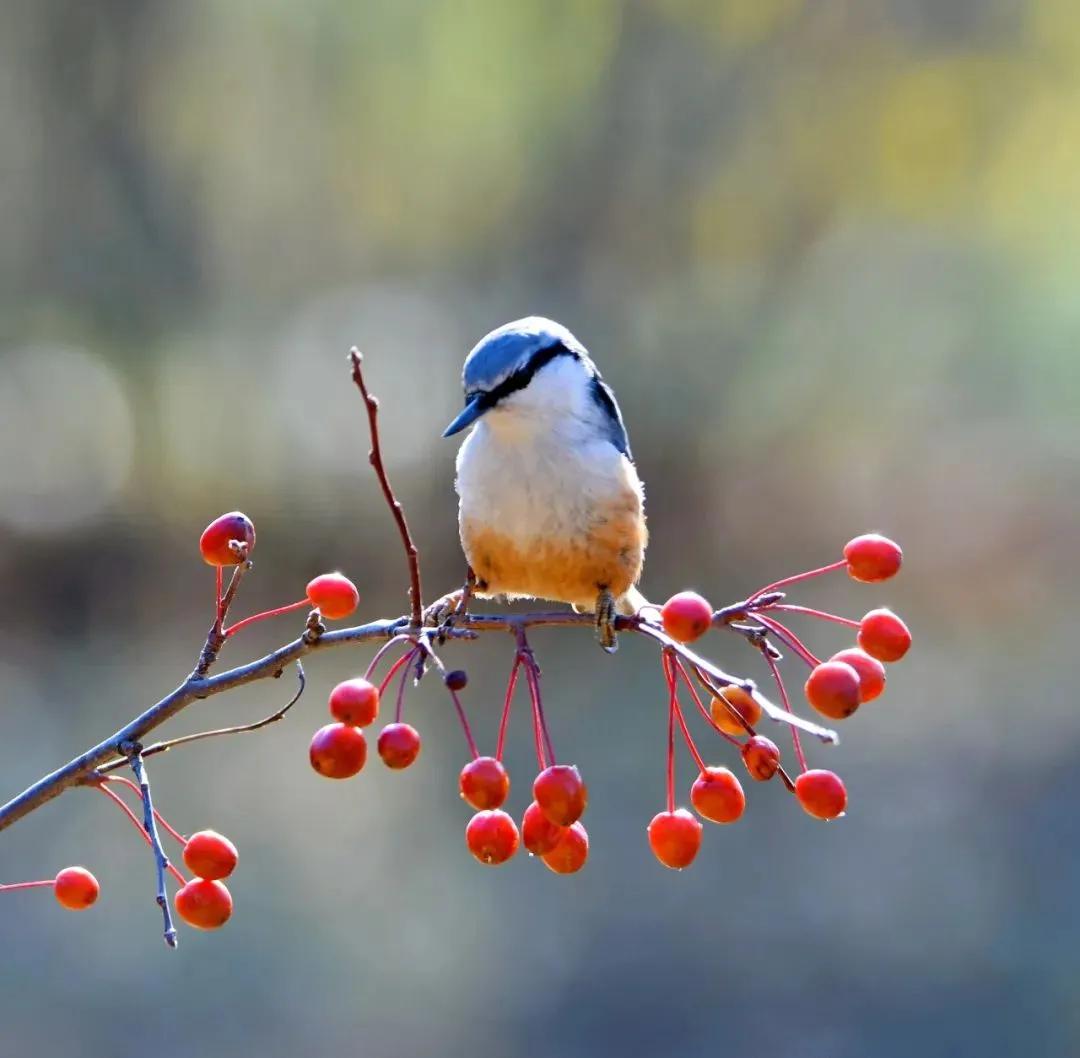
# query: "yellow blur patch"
x,y
608,556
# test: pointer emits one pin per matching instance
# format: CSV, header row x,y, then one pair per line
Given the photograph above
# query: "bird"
x,y
550,503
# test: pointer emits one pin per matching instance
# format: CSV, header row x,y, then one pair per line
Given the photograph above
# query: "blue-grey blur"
x,y
827,254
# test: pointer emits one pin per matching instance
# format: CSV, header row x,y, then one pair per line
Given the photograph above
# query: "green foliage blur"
x,y
826,253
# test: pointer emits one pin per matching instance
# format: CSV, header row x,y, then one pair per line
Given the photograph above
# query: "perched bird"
x,y
551,505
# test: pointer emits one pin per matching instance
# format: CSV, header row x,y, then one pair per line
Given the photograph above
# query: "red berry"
x,y
761,757
675,838
821,793
833,689
204,903
338,751
355,702
872,557
570,852
484,782
883,635
686,616
871,672
743,704
561,794
209,854
456,680
538,834
399,745
718,796
333,595
76,888
217,537
492,836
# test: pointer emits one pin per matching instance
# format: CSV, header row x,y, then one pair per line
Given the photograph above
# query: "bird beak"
x,y
470,413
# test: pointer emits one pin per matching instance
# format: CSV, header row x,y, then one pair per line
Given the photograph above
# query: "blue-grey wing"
x,y
607,403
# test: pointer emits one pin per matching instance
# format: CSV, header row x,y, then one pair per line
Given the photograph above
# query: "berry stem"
x,y
504,720
218,577
464,723
705,712
399,703
157,815
381,652
788,637
800,756
403,660
798,577
12,886
670,674
181,880
811,612
233,629
532,678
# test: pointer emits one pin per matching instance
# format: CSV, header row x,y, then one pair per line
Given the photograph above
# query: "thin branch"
x,y
238,729
375,457
161,861
470,626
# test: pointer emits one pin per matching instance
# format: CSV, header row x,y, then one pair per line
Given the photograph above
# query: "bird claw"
x,y
605,621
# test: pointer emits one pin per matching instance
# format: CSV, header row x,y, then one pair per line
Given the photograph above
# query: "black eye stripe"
x,y
524,375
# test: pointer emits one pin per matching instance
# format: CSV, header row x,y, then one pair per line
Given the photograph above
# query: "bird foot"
x,y
605,621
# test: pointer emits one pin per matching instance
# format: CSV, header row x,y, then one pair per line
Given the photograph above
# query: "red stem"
x,y
796,578
407,656
811,612
381,652
162,821
532,677
796,741
135,822
399,705
219,578
504,720
233,629
670,737
12,886
790,638
464,723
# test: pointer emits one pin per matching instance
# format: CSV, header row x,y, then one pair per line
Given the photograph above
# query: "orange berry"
x,y
217,538
686,616
338,751
761,757
492,836
718,796
204,903
833,689
743,704
871,672
872,557
570,852
333,595
561,794
399,745
675,838
883,635
76,888
821,793
355,702
484,782
538,834
209,854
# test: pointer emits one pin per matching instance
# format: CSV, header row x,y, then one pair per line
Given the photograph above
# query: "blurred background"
x,y
827,254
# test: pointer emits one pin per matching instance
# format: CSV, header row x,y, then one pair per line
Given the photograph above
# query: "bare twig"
x,y
237,729
375,457
215,638
161,861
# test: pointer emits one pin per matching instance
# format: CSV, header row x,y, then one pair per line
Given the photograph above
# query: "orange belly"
x,y
608,556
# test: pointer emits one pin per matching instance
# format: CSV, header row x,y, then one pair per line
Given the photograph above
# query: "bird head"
x,y
535,368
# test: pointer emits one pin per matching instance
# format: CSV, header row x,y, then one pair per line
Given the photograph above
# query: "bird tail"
x,y
631,602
